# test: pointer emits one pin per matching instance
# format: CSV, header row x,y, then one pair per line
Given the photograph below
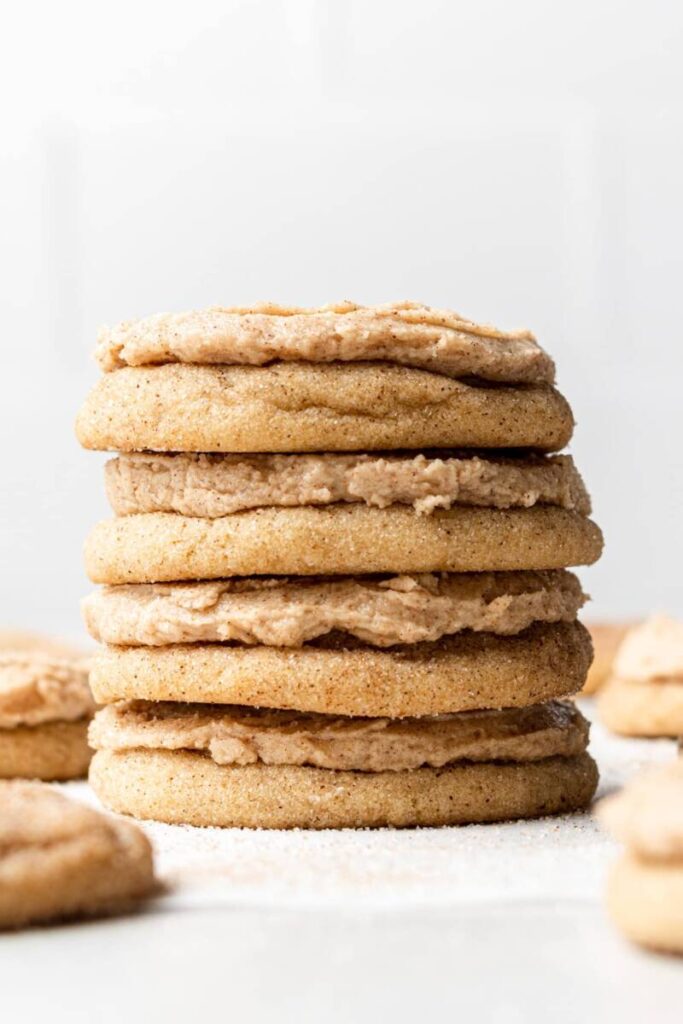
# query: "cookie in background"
x,y
60,860
644,694
645,887
45,707
606,637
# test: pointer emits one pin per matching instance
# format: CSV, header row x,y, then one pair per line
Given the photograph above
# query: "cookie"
x,y
45,706
407,333
54,751
210,486
309,408
60,860
645,888
606,637
290,611
234,735
645,901
633,708
187,787
644,695
341,539
339,676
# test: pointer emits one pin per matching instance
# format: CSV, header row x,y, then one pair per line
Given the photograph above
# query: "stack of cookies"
x,y
335,588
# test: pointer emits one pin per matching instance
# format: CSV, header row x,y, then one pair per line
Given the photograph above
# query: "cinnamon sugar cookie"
x,y
187,787
304,407
337,675
341,539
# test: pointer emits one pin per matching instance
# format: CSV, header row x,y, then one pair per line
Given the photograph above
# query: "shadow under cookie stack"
x,y
335,588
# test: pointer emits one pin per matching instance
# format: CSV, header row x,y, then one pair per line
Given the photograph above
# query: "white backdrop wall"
x,y
521,163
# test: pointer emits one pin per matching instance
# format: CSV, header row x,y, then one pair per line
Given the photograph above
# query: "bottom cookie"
x,y
645,901
650,709
53,751
181,787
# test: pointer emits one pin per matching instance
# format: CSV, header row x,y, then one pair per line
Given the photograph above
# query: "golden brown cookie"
x,y
606,637
290,611
184,787
341,539
304,407
408,333
53,751
234,735
340,676
59,859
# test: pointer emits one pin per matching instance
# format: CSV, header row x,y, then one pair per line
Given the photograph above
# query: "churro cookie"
x,y
644,695
290,611
340,539
304,407
407,333
45,706
240,735
645,891
210,486
188,787
60,860
337,675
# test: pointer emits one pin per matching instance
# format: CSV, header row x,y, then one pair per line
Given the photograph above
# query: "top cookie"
x,y
406,333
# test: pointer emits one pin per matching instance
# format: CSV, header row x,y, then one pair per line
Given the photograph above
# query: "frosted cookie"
x,y
644,695
60,860
188,787
342,539
210,486
240,735
304,407
407,333
645,890
337,675
288,612
45,707
606,637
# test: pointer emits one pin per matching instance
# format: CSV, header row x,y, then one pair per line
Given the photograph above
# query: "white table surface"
x,y
484,923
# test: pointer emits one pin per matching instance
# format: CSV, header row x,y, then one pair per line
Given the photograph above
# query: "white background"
x,y
520,162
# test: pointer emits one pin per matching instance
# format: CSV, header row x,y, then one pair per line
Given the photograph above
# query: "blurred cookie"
x,y
644,694
45,708
60,860
307,407
606,637
645,889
